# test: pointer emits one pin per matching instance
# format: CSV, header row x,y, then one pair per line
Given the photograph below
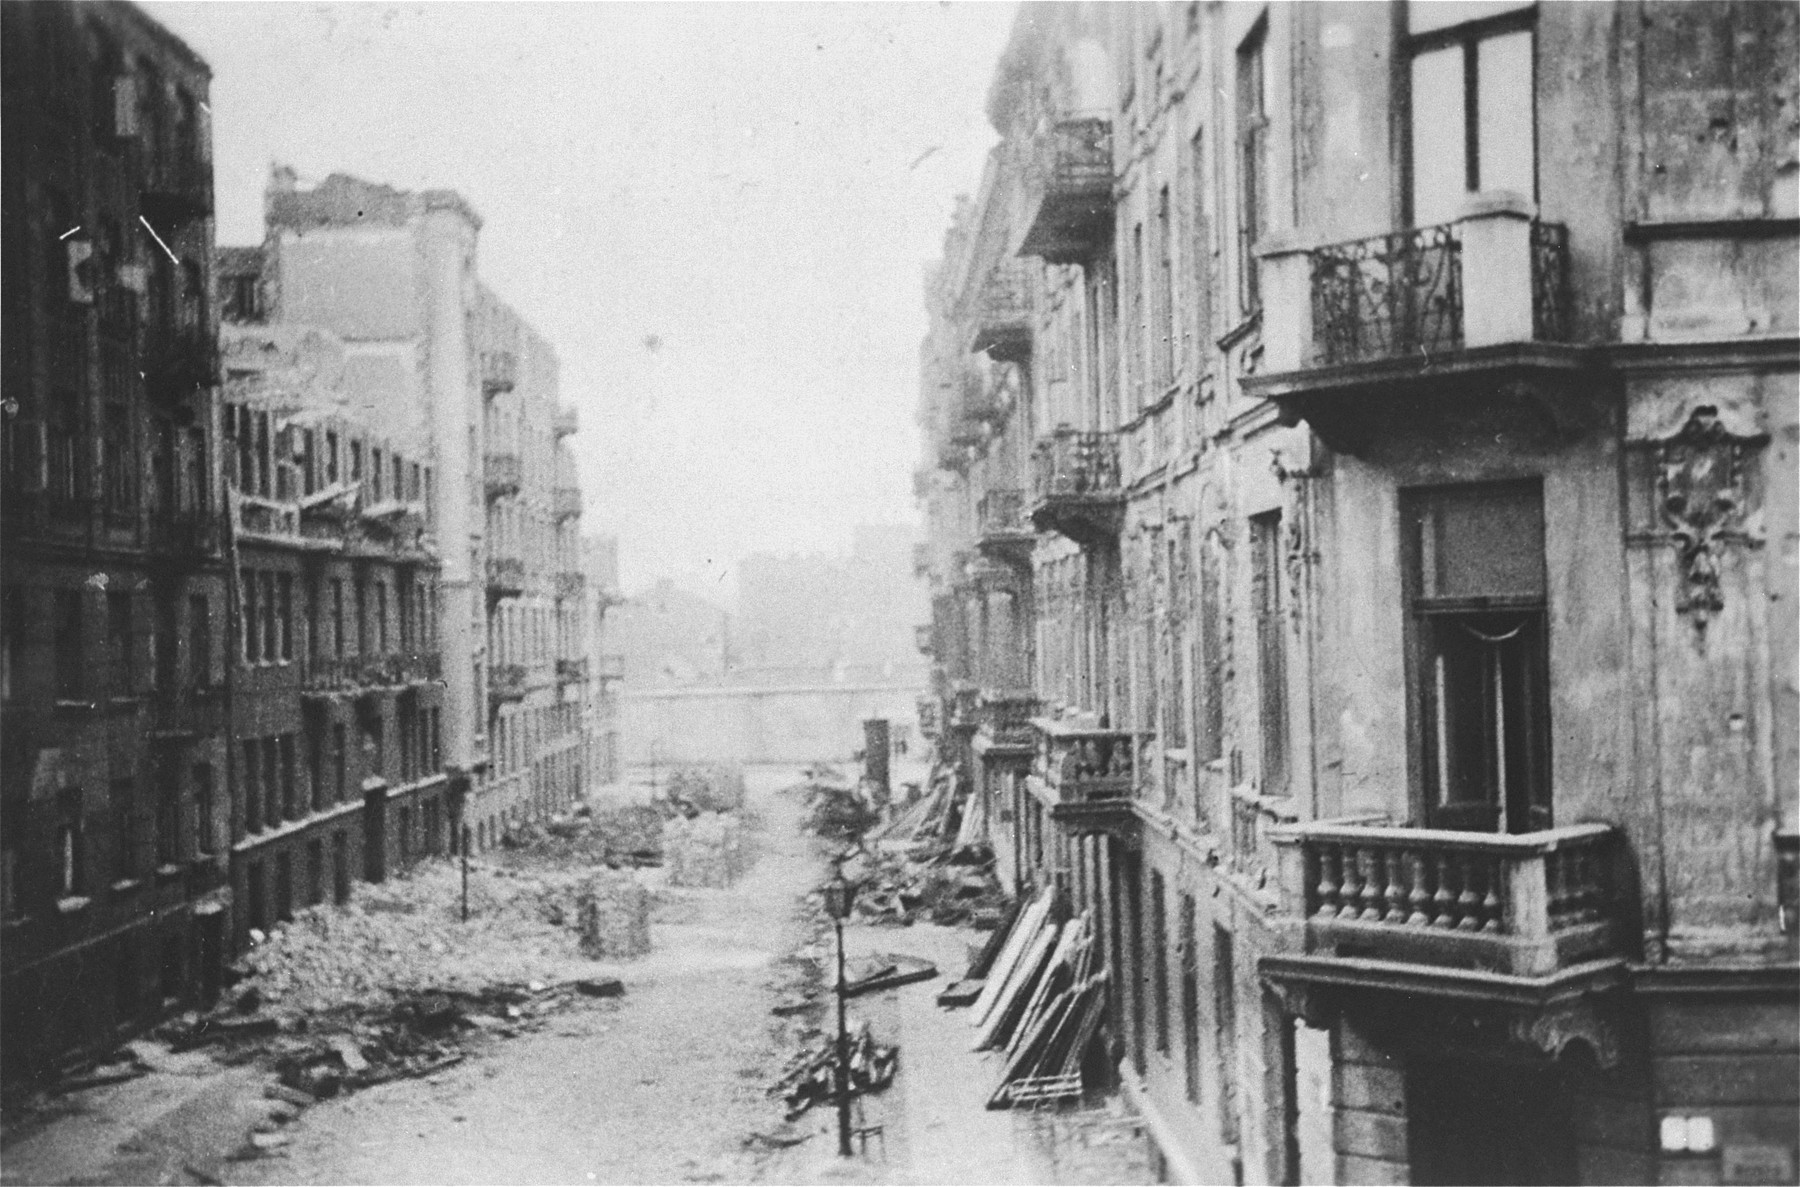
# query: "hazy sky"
x,y
720,215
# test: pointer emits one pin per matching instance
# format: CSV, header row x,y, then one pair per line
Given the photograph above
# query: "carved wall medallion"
x,y
1700,496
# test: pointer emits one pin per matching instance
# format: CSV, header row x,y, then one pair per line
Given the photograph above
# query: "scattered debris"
x,y
837,809
704,850
696,788
779,1138
890,971
810,1076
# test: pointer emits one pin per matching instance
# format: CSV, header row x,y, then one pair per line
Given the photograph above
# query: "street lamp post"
x,y
838,894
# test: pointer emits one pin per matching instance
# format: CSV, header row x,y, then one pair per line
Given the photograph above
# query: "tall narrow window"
x,y
1271,648
1137,361
67,644
1474,122
1476,578
337,618
118,642
1199,241
1225,1039
123,797
1253,161
339,761
1189,938
267,597
200,640
250,776
1159,957
1165,331
203,808
381,618
252,619
12,639
284,616
290,791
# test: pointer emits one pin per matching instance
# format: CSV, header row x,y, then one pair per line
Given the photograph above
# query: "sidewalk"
x,y
937,1126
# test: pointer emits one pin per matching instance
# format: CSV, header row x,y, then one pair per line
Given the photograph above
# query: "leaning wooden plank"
x,y
1024,931
984,961
1018,991
1054,980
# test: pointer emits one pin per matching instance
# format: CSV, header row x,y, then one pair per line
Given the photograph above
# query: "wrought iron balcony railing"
x,y
565,501
499,371
1524,904
504,473
565,422
505,576
1075,487
1067,191
1005,531
506,682
1495,277
1002,313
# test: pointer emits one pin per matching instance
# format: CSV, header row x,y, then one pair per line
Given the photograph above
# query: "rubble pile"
x,y
620,836
707,850
706,787
612,916
837,809
810,1076
944,886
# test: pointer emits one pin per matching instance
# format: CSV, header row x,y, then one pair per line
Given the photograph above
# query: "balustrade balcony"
x,y
1002,313
565,422
930,724
267,520
1089,775
504,473
1006,729
505,576
1067,191
965,708
1005,531
1523,905
1075,489
565,502
499,371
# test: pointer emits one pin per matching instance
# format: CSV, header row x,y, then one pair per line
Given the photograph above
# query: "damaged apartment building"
x,y
1361,483
467,391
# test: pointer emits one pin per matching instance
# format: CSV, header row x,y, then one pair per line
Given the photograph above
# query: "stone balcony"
x,y
1066,195
1393,906
1075,487
1006,729
1348,328
565,422
1004,531
565,502
1088,775
503,472
1001,315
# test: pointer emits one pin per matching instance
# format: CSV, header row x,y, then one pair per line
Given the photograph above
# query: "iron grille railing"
x,y
1550,297
1075,158
504,473
1388,296
499,371
1072,462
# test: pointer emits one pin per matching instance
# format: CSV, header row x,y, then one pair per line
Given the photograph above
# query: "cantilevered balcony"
x,y
499,371
179,362
506,682
1087,773
1075,487
1006,729
570,584
964,706
1067,192
504,473
1393,906
565,422
572,670
1005,533
267,521
1470,306
1001,317
505,577
178,191
565,501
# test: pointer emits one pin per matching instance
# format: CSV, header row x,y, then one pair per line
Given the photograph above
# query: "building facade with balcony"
x,y
460,382
1412,514
538,681
113,825
336,763
605,662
